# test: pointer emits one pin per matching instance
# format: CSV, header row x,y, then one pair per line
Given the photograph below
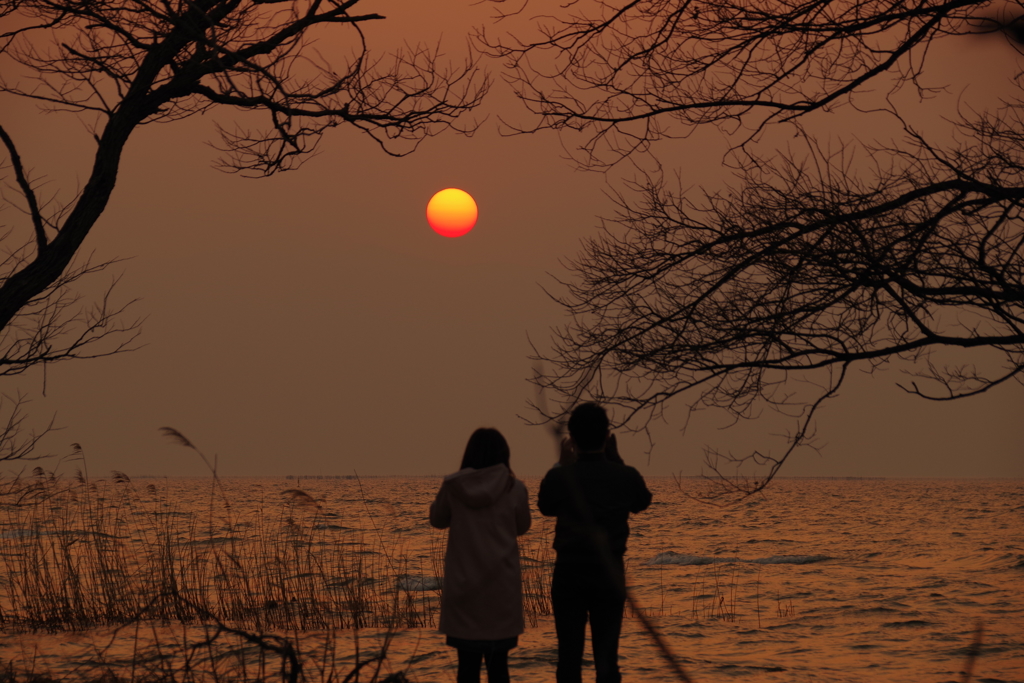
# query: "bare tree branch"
x,y
629,74
757,299
801,268
130,63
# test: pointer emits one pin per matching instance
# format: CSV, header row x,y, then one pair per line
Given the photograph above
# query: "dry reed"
x,y
79,554
715,594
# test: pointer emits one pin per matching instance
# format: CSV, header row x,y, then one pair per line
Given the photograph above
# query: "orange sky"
x,y
312,323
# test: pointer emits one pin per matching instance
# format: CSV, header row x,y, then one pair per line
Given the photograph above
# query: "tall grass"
x,y
214,592
78,554
716,593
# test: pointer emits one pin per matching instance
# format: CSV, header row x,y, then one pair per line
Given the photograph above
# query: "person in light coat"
x,y
484,507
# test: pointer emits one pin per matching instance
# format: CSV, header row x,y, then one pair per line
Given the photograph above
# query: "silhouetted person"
x,y
484,507
592,494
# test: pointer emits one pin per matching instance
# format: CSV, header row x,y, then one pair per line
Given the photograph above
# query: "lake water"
x,y
816,580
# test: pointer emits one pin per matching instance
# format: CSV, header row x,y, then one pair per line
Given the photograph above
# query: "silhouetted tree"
x,y
763,296
122,64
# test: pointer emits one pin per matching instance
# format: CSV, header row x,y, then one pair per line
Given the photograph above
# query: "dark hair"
x,y
486,447
588,426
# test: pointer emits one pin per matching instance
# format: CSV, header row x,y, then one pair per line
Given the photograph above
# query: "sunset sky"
x,y
313,323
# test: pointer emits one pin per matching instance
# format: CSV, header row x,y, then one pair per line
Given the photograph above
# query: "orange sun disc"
x,y
451,212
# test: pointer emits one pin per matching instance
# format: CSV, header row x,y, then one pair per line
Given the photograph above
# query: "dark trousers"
x,y
582,591
492,652
469,666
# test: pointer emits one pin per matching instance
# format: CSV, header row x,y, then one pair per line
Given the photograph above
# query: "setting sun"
x,y
451,212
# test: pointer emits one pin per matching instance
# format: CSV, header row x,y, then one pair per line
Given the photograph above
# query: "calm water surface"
x,y
817,580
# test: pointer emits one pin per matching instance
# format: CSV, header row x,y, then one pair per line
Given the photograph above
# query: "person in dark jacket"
x,y
592,493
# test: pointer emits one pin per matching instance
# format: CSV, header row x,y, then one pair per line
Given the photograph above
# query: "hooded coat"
x,y
484,511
